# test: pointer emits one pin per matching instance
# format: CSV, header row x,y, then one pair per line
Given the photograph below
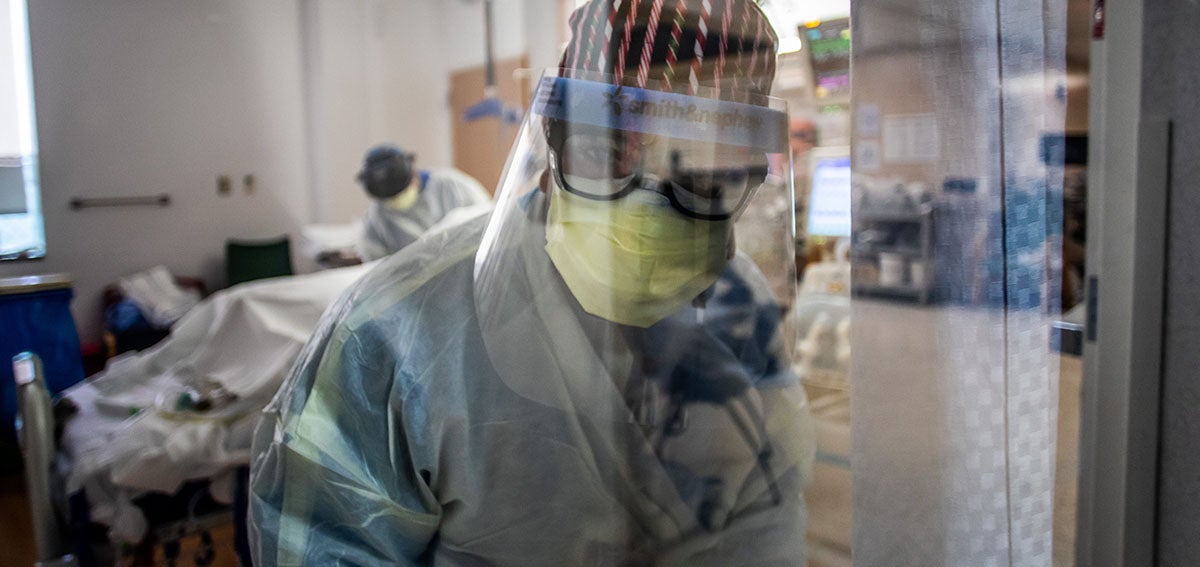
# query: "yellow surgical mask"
x,y
405,199
634,260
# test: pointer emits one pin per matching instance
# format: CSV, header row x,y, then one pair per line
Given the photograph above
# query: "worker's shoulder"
x,y
447,173
452,176
437,267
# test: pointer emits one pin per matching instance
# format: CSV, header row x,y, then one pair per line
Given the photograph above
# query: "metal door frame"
x,y
1127,218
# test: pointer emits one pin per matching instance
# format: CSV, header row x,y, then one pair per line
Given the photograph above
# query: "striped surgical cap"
x,y
674,45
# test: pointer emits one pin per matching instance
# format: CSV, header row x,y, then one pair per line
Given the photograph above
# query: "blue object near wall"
x,y
38,321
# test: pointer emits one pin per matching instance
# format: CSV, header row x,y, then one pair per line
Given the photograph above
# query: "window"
x,y
21,232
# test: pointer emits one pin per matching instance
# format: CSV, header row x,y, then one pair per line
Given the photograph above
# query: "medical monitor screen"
x,y
829,52
829,201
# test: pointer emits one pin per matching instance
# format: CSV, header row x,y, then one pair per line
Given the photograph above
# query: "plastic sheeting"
x,y
955,406
461,406
541,467
130,435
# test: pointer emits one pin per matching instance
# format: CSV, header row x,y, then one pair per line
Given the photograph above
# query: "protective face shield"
x,y
635,192
616,231
387,172
595,374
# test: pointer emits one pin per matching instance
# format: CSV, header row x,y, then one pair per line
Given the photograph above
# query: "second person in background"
x,y
407,201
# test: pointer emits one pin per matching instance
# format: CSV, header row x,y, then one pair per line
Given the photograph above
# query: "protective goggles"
x,y
707,156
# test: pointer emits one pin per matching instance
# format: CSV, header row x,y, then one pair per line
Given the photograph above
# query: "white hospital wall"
x,y
535,28
410,99
9,140
332,35
462,32
140,98
545,24
376,72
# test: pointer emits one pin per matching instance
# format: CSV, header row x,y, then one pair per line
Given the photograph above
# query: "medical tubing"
x,y
767,450
764,451
759,421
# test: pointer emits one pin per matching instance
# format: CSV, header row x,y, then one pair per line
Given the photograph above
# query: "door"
x,y
481,143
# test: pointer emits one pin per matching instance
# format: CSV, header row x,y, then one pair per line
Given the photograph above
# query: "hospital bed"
x,y
170,428
159,442
59,521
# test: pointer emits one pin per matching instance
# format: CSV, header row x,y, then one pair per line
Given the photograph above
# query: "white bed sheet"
x,y
245,338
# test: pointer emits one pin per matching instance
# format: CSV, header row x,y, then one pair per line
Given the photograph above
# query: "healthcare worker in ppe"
x,y
407,201
594,373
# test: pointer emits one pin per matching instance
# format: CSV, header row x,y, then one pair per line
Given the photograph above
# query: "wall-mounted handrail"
x,y
163,200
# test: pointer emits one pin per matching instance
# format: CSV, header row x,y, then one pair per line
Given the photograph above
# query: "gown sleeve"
x,y
333,480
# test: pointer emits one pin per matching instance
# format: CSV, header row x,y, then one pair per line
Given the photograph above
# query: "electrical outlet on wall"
x,y
224,185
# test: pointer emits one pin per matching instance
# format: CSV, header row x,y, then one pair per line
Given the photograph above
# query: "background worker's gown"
x,y
438,419
387,230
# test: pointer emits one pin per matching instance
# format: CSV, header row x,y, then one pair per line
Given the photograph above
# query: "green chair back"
x,y
247,260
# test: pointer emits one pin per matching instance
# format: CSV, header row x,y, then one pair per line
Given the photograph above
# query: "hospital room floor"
x,y
16,532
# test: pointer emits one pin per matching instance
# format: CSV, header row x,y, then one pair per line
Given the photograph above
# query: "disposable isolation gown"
x,y
386,230
438,419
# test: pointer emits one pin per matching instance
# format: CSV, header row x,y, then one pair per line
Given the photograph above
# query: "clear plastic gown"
x,y
460,406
